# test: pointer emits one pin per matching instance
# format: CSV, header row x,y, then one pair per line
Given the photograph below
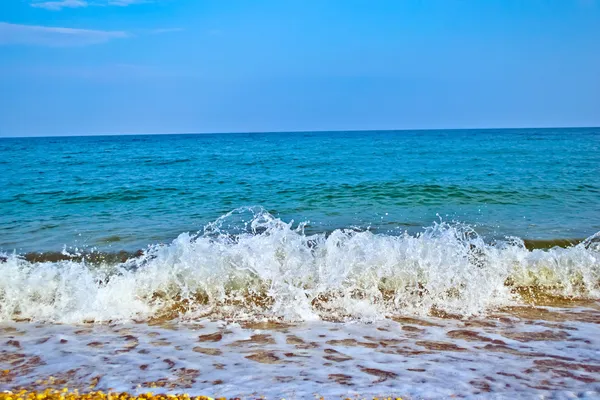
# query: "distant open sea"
x,y
125,192
422,264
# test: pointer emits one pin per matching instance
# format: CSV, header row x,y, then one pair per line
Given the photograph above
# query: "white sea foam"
x,y
432,358
249,263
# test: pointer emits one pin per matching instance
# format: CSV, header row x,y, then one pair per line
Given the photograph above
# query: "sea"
x,y
360,264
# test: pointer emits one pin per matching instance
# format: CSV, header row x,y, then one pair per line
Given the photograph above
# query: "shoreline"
x,y
515,353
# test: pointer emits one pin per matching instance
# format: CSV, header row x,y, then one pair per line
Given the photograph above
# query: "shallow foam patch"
x,y
516,354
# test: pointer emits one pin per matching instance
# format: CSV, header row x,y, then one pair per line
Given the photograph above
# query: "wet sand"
x,y
519,352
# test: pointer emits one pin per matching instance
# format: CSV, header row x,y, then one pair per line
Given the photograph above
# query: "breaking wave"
x,y
249,264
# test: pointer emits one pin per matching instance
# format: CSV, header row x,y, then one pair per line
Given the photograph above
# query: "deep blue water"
x,y
125,192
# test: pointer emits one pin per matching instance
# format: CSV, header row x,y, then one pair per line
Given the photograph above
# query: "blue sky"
x,y
78,67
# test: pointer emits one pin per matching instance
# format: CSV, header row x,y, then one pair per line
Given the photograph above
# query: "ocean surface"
x,y
125,192
421,264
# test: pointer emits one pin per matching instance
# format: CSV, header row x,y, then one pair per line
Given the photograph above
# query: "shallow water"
x,y
516,353
273,312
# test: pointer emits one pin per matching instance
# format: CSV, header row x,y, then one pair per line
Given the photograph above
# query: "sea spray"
x,y
249,264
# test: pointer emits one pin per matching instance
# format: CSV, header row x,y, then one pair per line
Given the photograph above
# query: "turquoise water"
x,y
126,192
385,223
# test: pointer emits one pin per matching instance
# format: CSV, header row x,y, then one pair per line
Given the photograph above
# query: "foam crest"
x,y
249,264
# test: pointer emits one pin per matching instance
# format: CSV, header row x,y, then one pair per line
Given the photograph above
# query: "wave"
x,y
249,264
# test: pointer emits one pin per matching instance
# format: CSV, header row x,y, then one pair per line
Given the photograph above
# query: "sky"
x,y
82,67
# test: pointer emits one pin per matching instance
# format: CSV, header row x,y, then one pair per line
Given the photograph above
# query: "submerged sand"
x,y
520,352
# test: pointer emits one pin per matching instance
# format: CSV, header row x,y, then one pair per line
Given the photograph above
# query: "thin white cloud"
x,y
56,5
15,34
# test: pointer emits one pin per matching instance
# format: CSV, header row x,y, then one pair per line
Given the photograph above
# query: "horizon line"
x,y
297,131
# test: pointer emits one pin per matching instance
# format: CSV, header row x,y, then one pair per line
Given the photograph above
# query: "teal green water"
x,y
125,192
